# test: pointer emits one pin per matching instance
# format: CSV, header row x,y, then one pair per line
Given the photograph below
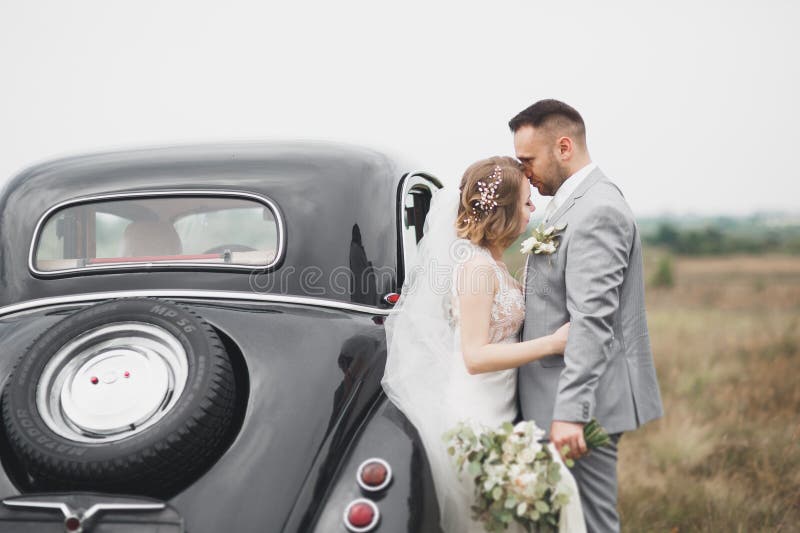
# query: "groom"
x,y
594,280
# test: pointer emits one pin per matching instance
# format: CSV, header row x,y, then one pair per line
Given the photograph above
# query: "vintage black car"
x,y
191,339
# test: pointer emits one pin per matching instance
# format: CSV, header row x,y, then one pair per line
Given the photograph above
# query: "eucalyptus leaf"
x,y
475,468
497,493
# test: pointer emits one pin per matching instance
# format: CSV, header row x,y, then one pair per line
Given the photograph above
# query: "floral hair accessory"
x,y
488,189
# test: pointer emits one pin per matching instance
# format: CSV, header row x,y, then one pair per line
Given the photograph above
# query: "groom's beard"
x,y
562,174
551,177
549,187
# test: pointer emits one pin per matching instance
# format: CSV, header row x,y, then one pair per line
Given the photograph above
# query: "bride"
x,y
453,338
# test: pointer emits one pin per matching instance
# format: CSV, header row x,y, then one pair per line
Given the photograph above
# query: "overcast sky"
x,y
691,107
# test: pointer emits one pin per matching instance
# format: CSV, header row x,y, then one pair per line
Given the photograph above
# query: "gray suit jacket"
x,y
595,281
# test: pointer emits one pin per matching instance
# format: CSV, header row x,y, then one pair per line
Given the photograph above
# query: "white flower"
x,y
542,240
547,248
528,244
494,475
527,455
533,432
523,481
522,426
498,470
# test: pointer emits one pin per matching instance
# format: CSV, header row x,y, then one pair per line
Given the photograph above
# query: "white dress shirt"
x,y
567,188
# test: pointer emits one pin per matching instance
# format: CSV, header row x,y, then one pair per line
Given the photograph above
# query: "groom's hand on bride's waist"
x,y
568,434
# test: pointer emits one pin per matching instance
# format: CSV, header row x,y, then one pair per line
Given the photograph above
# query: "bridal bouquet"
x,y
516,477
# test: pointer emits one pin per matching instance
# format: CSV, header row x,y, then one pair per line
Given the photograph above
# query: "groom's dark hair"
x,y
550,113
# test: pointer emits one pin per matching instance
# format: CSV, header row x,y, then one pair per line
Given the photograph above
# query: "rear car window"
x,y
159,230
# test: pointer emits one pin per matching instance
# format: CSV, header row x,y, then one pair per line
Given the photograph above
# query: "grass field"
x,y
726,457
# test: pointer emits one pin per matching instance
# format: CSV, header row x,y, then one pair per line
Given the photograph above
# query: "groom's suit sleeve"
x,y
597,259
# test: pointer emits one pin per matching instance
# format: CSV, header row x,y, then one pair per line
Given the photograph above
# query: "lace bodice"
x,y
508,307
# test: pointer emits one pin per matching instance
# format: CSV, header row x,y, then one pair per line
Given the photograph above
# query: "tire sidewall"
x,y
20,395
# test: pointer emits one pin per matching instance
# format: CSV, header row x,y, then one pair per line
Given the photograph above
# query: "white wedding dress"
x,y
425,372
489,399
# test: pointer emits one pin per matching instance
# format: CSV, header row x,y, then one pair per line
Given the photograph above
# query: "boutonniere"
x,y
543,240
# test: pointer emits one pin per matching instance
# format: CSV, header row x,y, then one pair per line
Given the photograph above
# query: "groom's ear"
x,y
565,147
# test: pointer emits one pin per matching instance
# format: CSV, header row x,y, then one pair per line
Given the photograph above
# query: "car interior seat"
x,y
150,238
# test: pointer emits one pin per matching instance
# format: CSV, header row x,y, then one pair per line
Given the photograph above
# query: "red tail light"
x,y
361,515
391,298
374,475
72,523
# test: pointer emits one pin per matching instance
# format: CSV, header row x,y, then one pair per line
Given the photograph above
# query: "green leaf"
x,y
521,508
511,502
475,468
497,493
570,463
562,499
541,506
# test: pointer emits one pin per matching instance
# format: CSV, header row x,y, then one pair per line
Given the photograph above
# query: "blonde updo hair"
x,y
499,224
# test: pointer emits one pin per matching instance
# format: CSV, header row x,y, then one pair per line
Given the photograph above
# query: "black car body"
x,y
300,322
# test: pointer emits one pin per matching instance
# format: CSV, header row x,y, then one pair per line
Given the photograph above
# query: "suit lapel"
x,y
593,177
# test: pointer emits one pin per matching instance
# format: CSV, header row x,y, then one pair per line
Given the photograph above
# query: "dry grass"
x,y
726,457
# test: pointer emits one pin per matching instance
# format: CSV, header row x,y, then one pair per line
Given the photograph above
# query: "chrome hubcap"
x,y
112,382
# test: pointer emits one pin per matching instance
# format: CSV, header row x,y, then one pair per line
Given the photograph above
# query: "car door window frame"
x,y
412,184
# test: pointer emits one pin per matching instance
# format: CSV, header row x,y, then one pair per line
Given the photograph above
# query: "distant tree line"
x,y
719,239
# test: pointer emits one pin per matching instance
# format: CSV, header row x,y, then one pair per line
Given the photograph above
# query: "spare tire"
x,y
131,395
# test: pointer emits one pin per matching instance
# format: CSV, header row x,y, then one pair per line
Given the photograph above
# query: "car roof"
x,y
339,204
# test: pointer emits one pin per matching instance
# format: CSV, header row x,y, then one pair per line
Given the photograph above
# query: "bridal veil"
x,y
422,349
